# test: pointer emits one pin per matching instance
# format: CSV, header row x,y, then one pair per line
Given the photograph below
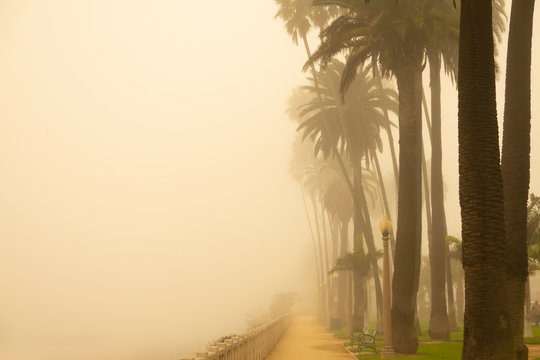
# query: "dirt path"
x,y
534,351
308,340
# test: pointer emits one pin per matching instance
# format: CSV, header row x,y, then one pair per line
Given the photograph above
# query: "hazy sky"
x,y
144,196
145,205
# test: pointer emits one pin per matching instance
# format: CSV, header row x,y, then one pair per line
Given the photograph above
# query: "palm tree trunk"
x,y
360,301
528,324
329,296
387,125
426,112
487,332
317,263
385,203
342,292
357,324
325,240
333,222
439,326
370,243
409,227
349,303
452,320
324,272
436,163
515,161
460,295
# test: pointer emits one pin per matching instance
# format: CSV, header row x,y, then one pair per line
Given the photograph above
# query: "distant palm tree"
x,y
441,49
301,164
358,261
338,201
355,129
454,254
299,17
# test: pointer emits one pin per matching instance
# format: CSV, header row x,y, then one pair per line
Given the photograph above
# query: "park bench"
x,y
367,341
356,339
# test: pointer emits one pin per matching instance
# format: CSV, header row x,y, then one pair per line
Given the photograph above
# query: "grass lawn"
x,y
536,336
430,351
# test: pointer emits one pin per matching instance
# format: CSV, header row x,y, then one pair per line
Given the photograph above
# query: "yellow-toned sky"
x,y
145,205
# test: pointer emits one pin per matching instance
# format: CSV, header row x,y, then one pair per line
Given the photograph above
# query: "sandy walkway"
x,y
308,340
534,351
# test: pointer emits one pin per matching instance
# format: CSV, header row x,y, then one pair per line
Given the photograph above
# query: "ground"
x,y
306,339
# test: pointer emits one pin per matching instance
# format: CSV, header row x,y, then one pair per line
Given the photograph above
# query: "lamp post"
x,y
387,351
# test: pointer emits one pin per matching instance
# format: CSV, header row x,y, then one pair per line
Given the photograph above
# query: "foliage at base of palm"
x,y
357,261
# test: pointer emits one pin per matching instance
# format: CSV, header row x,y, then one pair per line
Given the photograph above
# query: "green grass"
x,y
536,336
426,351
440,351
430,351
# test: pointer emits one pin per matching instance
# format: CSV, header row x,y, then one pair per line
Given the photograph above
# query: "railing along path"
x,y
255,344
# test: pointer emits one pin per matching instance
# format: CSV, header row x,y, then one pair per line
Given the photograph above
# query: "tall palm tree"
x,y
299,17
442,53
487,332
339,202
358,262
392,34
424,293
355,129
301,165
441,50
454,255
515,162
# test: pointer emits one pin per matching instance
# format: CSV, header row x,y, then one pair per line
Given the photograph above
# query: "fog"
x,y
145,203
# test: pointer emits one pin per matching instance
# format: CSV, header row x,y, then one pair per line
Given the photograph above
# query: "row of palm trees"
x,y
362,39
396,39
321,129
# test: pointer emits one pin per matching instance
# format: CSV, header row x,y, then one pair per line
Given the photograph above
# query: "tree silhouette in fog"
x,y
391,34
356,119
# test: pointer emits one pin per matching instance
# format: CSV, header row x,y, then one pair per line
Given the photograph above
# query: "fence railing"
x,y
255,344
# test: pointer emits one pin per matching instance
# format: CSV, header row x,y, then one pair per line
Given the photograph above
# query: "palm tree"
x,y
424,285
300,166
441,49
390,33
454,255
315,183
355,129
487,333
358,261
338,201
515,162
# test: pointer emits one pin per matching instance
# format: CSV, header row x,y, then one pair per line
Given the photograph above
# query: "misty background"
x,y
145,204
